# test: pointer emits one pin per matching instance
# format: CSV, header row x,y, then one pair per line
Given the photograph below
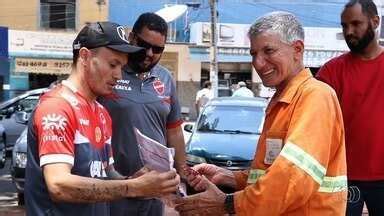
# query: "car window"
x,y
27,104
231,119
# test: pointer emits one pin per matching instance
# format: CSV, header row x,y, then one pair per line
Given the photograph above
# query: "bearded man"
x,y
146,99
358,79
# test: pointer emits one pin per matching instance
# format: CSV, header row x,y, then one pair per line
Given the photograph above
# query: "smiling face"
x,y
358,28
104,69
275,61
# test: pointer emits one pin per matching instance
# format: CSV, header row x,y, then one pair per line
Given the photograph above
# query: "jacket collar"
x,y
292,87
286,96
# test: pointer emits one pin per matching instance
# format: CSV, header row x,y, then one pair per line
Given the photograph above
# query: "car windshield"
x,y
231,119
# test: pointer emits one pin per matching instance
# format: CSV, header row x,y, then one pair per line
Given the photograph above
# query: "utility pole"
x,y
213,73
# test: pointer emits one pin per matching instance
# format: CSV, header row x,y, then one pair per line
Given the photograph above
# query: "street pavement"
x,y
8,195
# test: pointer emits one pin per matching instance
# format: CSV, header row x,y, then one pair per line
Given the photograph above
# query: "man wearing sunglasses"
x,y
145,98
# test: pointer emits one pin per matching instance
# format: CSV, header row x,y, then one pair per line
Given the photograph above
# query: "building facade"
x,y
321,20
40,35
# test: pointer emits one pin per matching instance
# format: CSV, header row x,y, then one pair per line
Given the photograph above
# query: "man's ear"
x,y
298,47
375,21
84,55
130,37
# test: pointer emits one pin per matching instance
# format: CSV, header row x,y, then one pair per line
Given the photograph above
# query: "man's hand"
x,y
153,184
209,202
195,179
140,172
215,174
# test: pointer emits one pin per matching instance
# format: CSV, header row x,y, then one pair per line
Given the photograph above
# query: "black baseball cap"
x,y
105,34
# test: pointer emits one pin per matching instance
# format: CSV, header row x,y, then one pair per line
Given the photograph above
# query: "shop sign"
x,y
233,51
316,58
236,35
320,38
43,43
226,50
44,66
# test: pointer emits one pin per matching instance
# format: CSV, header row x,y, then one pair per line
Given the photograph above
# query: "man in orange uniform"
x,y
299,167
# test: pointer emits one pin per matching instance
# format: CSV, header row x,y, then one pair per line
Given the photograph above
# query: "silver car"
x,y
24,102
2,148
226,132
18,164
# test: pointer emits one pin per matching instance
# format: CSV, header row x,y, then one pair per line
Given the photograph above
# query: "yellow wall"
x,y
19,14
187,69
89,11
24,14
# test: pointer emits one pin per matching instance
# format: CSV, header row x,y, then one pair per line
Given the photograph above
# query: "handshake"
x,y
210,200
203,178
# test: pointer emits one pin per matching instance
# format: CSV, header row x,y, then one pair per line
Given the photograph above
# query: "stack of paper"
x,y
157,157
154,155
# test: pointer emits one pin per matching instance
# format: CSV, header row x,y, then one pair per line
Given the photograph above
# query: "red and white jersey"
x,y
71,129
66,128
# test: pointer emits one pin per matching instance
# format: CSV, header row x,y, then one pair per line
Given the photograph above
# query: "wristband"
x,y
229,204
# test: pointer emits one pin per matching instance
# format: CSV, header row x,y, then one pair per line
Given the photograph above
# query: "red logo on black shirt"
x,y
159,87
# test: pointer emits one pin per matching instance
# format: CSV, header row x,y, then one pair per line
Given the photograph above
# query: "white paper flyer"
x,y
154,155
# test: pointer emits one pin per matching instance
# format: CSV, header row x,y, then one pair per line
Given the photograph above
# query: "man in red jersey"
x,y
69,135
358,79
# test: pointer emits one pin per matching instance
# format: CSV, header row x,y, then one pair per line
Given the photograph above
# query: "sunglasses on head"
x,y
146,45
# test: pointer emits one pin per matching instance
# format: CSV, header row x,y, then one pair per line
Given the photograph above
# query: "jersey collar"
x,y
152,73
69,85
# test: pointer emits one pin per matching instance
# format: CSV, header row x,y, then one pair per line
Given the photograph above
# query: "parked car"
x,y
19,157
24,102
18,164
226,132
2,148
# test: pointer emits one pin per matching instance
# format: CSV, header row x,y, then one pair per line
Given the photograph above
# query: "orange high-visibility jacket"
x,y
299,166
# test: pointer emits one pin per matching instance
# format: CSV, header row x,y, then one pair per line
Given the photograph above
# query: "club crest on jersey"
x,y
159,87
97,134
54,121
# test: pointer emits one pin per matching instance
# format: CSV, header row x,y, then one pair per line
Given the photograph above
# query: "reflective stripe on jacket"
x,y
300,166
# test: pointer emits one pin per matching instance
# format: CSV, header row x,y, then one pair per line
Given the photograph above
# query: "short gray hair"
x,y
283,23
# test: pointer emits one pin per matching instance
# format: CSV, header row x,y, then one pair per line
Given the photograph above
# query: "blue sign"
x,y
3,42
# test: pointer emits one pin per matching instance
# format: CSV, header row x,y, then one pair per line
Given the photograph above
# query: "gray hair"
x,y
285,24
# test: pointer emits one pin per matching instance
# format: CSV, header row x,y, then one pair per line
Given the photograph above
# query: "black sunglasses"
x,y
142,43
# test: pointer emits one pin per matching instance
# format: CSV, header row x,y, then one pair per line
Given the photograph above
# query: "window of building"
x,y
58,14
